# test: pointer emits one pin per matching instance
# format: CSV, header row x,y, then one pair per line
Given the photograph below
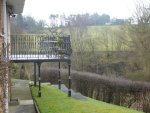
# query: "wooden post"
x,y
34,74
59,78
39,70
69,82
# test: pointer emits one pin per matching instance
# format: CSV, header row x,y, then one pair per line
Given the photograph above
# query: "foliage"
x,y
49,76
14,70
98,45
139,35
23,24
146,101
56,101
28,24
94,19
60,42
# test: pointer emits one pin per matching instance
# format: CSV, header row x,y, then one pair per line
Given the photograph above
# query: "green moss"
x,y
56,101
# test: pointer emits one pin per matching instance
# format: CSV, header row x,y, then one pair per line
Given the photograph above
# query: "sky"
x,y
41,9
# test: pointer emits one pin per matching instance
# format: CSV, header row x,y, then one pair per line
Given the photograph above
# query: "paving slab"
x,y
25,109
26,102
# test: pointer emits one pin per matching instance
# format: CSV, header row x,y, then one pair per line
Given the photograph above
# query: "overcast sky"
x,y
41,9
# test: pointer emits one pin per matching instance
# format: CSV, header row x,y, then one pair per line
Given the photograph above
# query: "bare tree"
x,y
77,27
140,37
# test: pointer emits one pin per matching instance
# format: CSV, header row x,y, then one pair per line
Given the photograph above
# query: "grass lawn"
x,y
56,101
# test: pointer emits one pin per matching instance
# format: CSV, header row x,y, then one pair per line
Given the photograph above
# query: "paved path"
x,y
21,91
75,95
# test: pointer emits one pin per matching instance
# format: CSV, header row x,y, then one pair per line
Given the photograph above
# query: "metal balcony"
x,y
32,48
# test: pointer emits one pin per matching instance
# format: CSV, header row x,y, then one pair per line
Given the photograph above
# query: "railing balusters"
x,y
49,46
39,47
36,38
33,47
30,46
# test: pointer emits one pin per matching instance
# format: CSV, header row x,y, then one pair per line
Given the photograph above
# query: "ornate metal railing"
x,y
39,47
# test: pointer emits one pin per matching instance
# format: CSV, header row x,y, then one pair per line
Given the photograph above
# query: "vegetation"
x,y
22,24
56,101
14,70
113,90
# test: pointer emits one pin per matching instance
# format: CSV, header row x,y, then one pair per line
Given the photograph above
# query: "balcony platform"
x,y
38,58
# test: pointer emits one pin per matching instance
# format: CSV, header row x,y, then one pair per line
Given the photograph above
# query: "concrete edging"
x,y
36,107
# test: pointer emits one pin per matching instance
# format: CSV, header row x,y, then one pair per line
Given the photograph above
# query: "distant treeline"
x,y
26,24
30,25
97,19
90,19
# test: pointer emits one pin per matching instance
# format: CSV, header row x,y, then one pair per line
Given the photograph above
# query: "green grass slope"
x,y
56,101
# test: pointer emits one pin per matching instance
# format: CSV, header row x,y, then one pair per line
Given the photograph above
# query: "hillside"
x,y
101,38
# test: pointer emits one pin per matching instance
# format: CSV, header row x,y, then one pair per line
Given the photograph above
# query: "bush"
x,y
146,101
50,75
14,70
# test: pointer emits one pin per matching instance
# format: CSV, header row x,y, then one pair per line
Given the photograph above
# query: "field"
x,y
102,38
56,101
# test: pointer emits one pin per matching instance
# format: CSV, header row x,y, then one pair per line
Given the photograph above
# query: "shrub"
x,y
14,70
50,75
146,101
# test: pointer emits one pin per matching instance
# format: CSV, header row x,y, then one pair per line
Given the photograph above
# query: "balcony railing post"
x,y
34,74
59,78
69,80
39,70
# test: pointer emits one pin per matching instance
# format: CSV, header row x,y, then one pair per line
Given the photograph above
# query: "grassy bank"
x,y
56,101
